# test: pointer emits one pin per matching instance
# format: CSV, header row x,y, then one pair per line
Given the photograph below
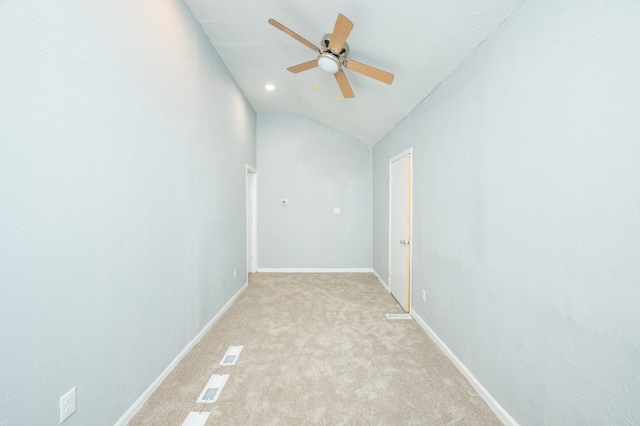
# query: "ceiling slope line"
x,y
453,71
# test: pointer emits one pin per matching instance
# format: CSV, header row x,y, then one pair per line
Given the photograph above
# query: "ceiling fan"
x,y
333,56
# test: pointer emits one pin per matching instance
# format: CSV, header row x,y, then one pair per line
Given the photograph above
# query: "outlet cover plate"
x,y
67,404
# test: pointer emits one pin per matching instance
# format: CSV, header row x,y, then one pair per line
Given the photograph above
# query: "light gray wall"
x,y
527,212
123,142
316,169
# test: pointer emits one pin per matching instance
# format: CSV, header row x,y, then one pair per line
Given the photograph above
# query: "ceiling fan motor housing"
x,y
329,60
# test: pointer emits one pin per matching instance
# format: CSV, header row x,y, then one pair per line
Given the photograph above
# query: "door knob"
x,y
403,242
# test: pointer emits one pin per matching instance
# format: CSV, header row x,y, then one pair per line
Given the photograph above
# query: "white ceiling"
x,y
420,41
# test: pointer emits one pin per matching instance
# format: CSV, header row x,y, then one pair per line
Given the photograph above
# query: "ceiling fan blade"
x,y
369,71
303,66
286,30
341,31
345,87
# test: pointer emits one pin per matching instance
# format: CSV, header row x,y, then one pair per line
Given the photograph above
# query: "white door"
x,y
400,230
251,220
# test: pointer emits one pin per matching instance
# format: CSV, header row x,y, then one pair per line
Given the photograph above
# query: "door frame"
x,y
393,159
251,217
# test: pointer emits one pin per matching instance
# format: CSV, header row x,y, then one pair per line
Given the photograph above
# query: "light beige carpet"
x,y
318,349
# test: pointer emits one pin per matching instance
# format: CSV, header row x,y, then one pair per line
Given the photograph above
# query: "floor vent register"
x,y
398,316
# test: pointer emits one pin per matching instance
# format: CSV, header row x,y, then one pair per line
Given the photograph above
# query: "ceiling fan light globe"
x,y
328,63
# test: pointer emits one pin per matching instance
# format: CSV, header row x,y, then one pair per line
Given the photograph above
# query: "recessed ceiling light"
x,y
270,87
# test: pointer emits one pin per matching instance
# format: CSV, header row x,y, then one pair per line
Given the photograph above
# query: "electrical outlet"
x,y
424,295
235,273
67,404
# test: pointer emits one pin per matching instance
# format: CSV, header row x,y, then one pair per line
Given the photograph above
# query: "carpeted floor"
x,y
318,349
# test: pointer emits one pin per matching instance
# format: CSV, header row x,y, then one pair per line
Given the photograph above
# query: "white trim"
x,y
313,270
402,154
408,151
411,234
375,274
251,173
389,235
497,409
133,410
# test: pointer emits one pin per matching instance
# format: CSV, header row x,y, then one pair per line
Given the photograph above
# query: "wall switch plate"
x,y
424,295
336,210
67,404
235,273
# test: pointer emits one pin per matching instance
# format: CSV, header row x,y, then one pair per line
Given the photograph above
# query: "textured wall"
x,y
316,169
527,212
123,143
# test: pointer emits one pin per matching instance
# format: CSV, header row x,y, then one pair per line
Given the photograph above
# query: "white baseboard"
x,y
314,270
133,410
384,284
497,409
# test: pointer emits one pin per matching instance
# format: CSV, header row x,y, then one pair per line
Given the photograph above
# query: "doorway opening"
x,y
252,234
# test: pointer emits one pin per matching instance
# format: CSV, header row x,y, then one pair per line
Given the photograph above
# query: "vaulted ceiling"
x,y
420,41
